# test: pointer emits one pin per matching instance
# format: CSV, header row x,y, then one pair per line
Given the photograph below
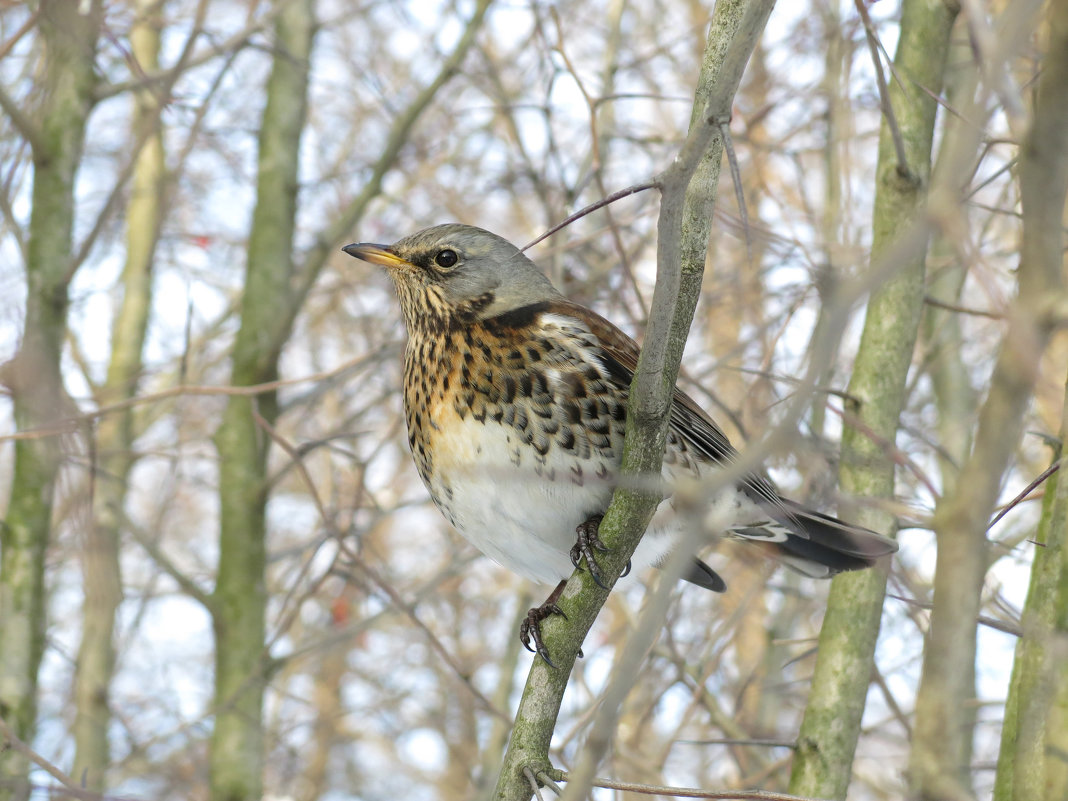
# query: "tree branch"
x,y
684,225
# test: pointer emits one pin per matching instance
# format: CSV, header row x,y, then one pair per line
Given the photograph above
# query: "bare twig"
x,y
941,304
71,424
600,204
884,91
1045,474
22,122
692,792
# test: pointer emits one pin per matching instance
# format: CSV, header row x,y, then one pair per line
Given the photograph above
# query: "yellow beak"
x,y
375,254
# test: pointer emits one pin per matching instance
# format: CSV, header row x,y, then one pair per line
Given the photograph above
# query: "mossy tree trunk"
x,y
55,130
239,602
1031,764
831,723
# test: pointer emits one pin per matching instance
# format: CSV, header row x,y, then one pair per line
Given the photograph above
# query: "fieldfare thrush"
x,y
515,400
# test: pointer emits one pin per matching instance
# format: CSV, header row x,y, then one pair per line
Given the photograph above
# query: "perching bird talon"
x,y
589,541
530,628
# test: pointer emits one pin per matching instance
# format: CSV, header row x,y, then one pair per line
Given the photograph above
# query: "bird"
x,y
515,400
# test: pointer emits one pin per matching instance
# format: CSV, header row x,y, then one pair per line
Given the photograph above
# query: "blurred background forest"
x,y
221,578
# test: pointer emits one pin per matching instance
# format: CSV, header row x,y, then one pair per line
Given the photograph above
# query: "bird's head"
x,y
452,274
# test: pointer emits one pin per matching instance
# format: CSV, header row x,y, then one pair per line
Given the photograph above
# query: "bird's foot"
x,y
530,629
588,541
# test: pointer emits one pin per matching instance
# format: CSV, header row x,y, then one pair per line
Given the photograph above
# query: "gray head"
x,y
454,270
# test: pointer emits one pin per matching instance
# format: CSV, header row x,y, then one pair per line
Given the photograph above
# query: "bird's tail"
x,y
816,544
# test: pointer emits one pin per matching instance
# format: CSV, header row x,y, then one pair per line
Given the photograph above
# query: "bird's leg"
x,y
531,626
589,541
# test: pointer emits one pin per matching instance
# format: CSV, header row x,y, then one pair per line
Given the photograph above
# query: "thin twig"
x,y
693,792
941,304
1007,627
31,20
534,787
755,742
22,122
72,423
1049,471
736,179
600,204
884,91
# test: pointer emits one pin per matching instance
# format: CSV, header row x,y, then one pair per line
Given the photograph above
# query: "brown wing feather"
x,y
688,419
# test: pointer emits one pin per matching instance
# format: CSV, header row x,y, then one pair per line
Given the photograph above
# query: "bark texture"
x,y
239,602
875,396
688,191
1030,766
56,131
115,433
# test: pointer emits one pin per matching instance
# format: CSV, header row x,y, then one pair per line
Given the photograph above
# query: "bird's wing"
x,y
812,543
688,420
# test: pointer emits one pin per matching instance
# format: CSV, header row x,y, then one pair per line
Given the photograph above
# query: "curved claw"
x,y
586,543
530,628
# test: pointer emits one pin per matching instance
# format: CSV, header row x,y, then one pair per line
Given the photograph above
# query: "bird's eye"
x,y
446,258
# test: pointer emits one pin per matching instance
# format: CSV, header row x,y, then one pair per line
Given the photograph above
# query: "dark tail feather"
x,y
704,576
822,545
810,542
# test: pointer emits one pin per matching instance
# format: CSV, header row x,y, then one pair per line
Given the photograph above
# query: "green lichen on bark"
x,y
69,35
831,724
239,602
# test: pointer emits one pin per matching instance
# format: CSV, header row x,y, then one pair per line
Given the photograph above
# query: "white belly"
x,y
520,509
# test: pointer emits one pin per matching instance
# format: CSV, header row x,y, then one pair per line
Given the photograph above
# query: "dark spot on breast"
x,y
509,389
526,385
599,440
574,387
533,354
572,412
566,439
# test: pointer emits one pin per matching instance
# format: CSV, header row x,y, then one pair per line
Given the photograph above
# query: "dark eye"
x,y
446,258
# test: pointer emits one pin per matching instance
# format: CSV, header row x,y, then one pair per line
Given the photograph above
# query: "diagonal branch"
x,y
21,120
685,221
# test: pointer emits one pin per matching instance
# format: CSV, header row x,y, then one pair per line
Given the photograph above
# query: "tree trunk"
x,y
831,723
115,433
1030,733
240,599
56,136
